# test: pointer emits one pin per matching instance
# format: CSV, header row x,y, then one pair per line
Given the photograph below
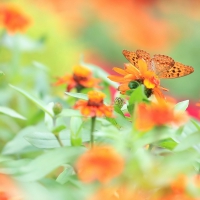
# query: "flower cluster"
x,y
101,162
135,148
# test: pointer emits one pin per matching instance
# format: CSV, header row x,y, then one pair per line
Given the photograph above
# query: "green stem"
x,y
57,134
54,121
59,140
16,55
92,131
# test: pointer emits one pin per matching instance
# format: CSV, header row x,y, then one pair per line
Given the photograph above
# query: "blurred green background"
x,y
101,29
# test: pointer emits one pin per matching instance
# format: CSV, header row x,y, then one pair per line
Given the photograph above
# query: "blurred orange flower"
x,y
101,163
135,22
179,184
94,106
158,114
12,19
176,191
141,75
81,78
8,188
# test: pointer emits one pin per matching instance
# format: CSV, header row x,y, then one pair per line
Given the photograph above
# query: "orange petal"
x,y
119,71
130,77
123,88
116,78
142,66
162,88
86,111
132,70
158,94
63,80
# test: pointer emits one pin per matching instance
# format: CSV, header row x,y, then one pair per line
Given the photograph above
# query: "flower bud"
x,y
57,108
119,102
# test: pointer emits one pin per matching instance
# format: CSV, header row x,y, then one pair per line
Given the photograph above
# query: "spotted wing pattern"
x,y
133,57
178,70
160,64
143,54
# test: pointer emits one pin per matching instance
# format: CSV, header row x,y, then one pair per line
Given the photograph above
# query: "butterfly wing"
x,y
143,54
133,57
178,70
161,64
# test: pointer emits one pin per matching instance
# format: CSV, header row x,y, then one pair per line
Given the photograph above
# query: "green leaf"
x,y
118,110
122,120
47,162
196,124
58,129
46,140
13,166
69,113
36,101
182,106
129,92
76,140
76,124
13,147
77,95
48,120
64,177
137,95
167,144
189,141
11,113
113,121
150,137
130,109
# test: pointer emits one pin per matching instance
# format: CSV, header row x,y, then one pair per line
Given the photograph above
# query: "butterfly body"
x,y
163,66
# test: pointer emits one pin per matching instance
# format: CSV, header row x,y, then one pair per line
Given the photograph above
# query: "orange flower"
x,y
99,163
179,184
141,74
81,78
94,106
8,188
12,19
176,191
158,114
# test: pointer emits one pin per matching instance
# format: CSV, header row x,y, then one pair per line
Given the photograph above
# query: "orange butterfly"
x,y
163,66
